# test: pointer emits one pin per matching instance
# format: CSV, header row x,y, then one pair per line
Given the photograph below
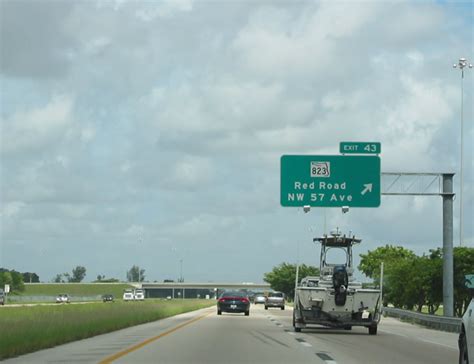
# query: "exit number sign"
x,y
360,148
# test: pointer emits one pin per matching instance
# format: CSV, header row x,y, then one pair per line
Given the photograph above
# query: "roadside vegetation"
x,y
74,289
415,282
282,277
28,329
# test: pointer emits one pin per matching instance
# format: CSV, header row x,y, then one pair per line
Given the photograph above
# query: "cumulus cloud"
x,y
164,9
12,209
33,39
39,127
189,172
276,43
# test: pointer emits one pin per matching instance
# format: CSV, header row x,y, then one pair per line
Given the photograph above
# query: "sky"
x,y
150,133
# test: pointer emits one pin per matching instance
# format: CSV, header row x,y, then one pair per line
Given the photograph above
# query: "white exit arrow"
x,y
368,188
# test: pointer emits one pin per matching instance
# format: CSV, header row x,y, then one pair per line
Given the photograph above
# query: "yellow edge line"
x,y
135,347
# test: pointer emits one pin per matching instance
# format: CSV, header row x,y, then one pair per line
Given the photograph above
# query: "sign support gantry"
x,y
430,184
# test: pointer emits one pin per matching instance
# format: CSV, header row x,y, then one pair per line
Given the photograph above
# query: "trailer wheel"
x,y
373,330
463,355
297,329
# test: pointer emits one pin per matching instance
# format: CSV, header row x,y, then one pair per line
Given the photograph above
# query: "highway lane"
x,y
263,337
396,342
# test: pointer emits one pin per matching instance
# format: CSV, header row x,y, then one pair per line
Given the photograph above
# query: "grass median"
x,y
28,329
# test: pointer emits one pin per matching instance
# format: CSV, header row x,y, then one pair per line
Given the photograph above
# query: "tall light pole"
x,y
462,63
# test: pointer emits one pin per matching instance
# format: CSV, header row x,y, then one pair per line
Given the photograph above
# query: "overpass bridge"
x,y
196,290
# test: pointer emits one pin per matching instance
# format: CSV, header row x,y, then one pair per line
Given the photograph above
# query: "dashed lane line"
x,y
303,342
327,359
324,356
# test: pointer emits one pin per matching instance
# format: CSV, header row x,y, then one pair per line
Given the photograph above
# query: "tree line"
x,y
76,276
282,277
412,282
17,280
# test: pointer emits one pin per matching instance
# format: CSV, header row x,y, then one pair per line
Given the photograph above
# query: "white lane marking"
x,y
292,333
420,339
330,362
304,343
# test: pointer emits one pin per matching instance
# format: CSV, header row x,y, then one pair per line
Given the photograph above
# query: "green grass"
x,y
28,329
439,312
74,289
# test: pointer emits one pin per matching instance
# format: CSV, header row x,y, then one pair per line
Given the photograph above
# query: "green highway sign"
x,y
469,281
329,181
360,148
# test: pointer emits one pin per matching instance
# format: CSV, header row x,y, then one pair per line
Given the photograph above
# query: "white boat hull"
x,y
316,305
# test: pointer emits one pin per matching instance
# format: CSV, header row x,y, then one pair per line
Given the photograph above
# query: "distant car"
x,y
466,336
2,297
139,295
259,298
108,298
62,298
128,295
233,301
275,299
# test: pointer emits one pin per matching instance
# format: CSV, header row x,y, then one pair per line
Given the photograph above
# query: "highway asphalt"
x,y
263,337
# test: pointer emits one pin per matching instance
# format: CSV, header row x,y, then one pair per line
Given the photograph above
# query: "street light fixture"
x,y
462,63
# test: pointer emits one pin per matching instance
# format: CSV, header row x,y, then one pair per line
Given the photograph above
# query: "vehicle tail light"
x,y
242,299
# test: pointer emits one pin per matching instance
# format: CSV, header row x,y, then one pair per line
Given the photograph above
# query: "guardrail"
x,y
450,324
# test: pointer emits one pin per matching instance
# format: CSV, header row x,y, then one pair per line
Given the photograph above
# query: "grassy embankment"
x,y
28,329
74,289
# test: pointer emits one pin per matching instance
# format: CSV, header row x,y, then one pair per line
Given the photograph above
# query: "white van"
x,y
128,295
139,295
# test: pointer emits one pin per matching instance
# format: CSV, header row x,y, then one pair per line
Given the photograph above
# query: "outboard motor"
x,y
340,282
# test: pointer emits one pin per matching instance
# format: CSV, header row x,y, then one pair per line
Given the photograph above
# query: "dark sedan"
x,y
108,298
233,301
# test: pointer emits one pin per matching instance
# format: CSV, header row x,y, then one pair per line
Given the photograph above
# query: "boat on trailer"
x,y
335,299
